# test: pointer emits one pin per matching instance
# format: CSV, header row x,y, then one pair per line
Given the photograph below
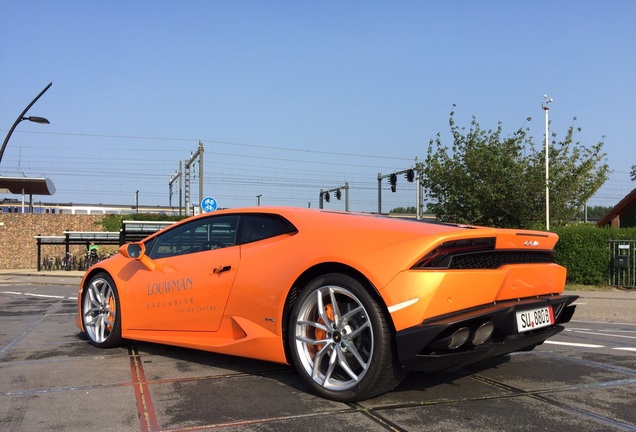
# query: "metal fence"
x,y
622,268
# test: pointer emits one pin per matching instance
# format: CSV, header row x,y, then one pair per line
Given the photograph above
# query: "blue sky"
x,y
292,97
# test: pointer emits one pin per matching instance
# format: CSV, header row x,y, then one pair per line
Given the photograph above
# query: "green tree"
x,y
112,222
404,210
487,179
594,213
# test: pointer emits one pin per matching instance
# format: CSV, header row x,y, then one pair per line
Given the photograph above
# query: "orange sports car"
x,y
353,301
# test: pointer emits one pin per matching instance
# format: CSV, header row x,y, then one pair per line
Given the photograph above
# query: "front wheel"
x,y
340,341
101,313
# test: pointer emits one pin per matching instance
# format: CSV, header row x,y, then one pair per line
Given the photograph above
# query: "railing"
x,y
622,267
130,231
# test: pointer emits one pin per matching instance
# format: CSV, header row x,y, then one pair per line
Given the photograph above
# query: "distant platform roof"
x,y
30,186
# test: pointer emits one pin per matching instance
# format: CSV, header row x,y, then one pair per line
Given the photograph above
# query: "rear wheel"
x,y
340,341
100,312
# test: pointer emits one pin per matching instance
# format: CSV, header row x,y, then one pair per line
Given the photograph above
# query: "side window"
x,y
199,235
256,227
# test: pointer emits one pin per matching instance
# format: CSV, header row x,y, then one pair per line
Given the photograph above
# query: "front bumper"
x,y
419,346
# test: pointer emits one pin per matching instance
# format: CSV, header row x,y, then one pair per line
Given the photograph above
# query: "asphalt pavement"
x,y
51,378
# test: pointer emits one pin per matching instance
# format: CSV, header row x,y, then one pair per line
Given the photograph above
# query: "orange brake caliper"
x,y
321,334
111,316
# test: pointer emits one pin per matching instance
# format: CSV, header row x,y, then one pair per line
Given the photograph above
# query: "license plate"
x,y
534,319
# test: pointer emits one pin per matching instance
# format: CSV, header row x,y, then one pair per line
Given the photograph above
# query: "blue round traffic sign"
x,y
208,204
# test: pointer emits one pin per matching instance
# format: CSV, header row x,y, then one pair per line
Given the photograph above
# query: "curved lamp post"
x,y
21,117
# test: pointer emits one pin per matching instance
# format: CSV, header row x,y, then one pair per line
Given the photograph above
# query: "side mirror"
x,y
137,251
133,250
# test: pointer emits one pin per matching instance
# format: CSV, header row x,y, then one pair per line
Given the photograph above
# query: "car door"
x,y
195,267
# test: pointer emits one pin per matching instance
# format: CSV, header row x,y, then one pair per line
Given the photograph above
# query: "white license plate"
x,y
534,319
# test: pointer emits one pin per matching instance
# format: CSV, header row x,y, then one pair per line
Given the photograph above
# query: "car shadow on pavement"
x,y
165,363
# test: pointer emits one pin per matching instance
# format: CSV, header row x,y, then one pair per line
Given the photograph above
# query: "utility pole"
x,y
380,177
544,104
419,195
198,154
173,178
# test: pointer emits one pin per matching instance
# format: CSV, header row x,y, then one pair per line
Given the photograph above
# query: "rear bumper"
x,y
419,349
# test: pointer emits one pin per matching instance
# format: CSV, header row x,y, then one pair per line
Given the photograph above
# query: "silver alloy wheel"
x,y
334,338
99,310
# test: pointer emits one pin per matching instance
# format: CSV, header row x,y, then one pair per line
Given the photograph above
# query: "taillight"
x,y
442,254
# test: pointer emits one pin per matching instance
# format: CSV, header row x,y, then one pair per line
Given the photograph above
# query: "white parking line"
x,y
616,331
38,295
34,295
574,344
606,334
581,345
603,322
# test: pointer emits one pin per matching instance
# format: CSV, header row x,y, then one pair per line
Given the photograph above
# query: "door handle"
x,y
221,269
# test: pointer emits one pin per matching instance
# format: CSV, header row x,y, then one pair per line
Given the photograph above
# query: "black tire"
x,y
340,341
101,315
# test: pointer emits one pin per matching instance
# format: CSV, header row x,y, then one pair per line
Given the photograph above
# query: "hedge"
x,y
584,251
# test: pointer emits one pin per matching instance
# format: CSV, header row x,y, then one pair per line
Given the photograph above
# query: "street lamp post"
x,y
544,104
21,117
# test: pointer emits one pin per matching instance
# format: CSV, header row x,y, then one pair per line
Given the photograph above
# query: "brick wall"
x,y
18,247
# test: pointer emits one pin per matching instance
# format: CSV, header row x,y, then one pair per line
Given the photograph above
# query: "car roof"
x,y
306,218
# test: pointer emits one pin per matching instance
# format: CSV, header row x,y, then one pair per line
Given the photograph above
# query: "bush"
x,y
584,251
